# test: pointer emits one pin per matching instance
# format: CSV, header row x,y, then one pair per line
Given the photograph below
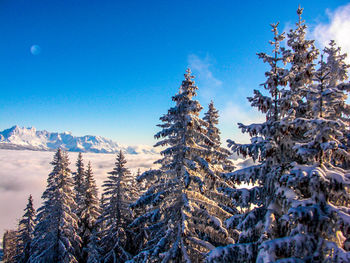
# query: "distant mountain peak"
x,y
30,138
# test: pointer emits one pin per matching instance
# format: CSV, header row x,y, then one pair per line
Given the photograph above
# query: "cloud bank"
x,y
25,172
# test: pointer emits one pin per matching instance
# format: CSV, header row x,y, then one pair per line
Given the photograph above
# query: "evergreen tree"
x,y
329,128
79,192
79,185
326,138
90,212
116,240
301,55
303,209
219,161
55,235
338,74
316,193
220,156
93,249
9,245
25,232
181,221
257,222
139,235
297,108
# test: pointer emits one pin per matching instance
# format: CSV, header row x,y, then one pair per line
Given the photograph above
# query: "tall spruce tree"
x,y
79,197
301,54
139,235
116,240
181,221
79,184
219,161
55,235
90,211
326,138
317,196
9,246
25,233
305,211
340,87
94,251
220,156
257,222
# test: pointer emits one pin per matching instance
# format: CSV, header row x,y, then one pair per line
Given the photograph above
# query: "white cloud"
x,y
237,113
209,85
338,29
234,113
25,172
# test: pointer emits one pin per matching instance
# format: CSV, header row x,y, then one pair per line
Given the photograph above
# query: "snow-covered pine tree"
x,y
55,235
316,193
90,211
338,74
79,197
301,55
257,223
9,246
310,201
25,233
312,195
268,139
219,161
79,184
296,107
139,235
220,156
182,220
116,239
327,130
94,251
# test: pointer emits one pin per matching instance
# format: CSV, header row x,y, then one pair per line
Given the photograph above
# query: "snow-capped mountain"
x,y
29,138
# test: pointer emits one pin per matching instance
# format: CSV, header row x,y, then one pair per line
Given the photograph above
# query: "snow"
x,y
29,138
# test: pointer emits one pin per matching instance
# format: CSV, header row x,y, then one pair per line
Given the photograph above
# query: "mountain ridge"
x,y
21,138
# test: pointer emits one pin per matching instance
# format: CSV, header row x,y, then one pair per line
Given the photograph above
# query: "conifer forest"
x,y
292,205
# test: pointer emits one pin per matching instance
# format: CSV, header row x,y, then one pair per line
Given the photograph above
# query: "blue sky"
x,y
110,68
